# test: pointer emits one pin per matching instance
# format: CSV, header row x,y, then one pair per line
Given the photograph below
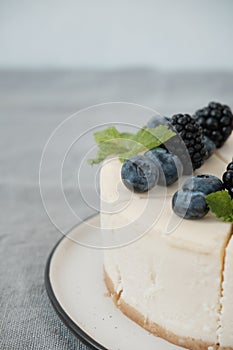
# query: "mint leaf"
x,y
151,138
105,135
111,142
221,204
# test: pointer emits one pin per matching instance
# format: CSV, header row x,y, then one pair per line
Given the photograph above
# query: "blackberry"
x,y
227,179
193,146
217,122
230,166
230,191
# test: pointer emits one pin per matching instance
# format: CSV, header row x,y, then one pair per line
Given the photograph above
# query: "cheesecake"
x,y
171,276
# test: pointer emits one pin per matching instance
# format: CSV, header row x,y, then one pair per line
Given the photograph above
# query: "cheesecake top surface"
x,y
204,235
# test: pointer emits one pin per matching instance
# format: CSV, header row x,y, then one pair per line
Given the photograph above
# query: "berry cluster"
x,y
217,122
228,179
196,139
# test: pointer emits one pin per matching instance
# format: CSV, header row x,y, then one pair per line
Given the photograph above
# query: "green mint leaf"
x,y
111,142
105,135
221,204
110,147
151,138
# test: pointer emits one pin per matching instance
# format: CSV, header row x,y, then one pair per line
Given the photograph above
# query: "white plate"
x,y
74,282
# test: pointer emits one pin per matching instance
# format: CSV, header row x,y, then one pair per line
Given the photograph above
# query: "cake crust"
x,y
157,330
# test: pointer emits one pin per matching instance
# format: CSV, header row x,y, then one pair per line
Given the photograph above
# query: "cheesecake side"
x,y
225,331
152,327
159,274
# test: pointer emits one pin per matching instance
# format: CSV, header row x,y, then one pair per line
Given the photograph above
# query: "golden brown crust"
x,y
129,311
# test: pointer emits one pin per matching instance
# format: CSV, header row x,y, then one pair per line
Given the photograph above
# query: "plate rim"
x,y
70,324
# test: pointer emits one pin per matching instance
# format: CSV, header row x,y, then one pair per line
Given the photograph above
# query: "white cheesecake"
x,y
175,278
225,331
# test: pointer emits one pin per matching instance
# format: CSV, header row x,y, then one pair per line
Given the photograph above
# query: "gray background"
x,y
167,34
32,104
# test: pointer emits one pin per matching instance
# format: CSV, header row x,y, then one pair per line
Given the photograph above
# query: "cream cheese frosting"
x,y
172,273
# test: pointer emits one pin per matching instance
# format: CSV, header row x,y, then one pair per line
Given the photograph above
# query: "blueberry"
x,y
139,173
157,151
169,165
157,120
189,205
203,183
210,146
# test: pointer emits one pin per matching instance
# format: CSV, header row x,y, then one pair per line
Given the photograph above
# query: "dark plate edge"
x,y
76,330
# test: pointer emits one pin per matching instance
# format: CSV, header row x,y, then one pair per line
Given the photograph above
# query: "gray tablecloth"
x,y
32,104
